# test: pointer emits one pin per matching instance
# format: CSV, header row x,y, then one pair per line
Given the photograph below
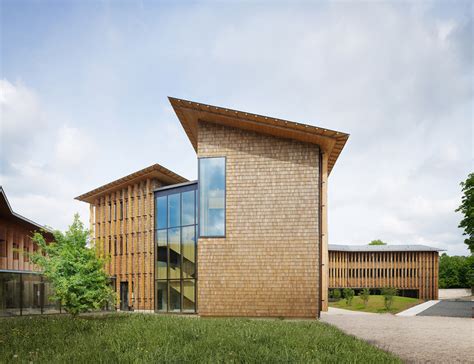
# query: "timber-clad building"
x,y
248,238
412,269
22,288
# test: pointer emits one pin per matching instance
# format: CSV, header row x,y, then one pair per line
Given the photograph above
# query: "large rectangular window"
x,y
212,185
175,239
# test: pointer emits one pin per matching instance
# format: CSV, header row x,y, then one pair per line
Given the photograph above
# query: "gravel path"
x,y
417,339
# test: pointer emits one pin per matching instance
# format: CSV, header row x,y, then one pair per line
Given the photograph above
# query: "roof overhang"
x,y
157,171
7,212
190,113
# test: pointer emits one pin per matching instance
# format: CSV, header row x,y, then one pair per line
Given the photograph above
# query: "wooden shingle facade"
x,y
409,268
260,226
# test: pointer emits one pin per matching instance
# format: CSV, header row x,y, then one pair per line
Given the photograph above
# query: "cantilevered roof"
x,y
383,248
7,212
189,113
154,171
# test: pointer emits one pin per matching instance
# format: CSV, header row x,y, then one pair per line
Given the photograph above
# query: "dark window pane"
x,y
212,196
175,296
161,262
175,253
10,291
49,305
161,296
174,210
189,296
188,208
33,292
161,212
189,254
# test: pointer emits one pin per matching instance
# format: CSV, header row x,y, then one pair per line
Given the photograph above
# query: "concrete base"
x,y
415,310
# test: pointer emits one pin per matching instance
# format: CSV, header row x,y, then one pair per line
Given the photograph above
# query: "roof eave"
x,y
330,141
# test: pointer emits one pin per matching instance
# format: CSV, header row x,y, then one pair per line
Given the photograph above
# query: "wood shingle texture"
x,y
268,262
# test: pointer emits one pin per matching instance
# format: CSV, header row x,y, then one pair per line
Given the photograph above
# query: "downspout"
x,y
320,216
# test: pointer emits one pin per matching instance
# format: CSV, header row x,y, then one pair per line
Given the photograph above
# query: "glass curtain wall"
x,y
25,294
175,240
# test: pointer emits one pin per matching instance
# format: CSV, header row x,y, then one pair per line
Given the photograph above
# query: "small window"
x,y
16,254
3,248
212,191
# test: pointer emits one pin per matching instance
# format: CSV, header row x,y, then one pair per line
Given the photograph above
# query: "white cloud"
x,y
396,76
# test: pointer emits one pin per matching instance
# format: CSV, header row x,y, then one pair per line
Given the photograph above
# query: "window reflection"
x,y
174,210
212,197
175,239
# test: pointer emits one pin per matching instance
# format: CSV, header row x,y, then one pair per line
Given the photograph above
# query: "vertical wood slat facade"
x,y
408,270
123,232
122,219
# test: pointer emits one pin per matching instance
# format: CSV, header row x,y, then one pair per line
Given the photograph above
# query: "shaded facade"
x,y
22,288
249,238
412,269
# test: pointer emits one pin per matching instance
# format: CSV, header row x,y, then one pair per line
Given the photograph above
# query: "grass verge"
x,y
170,339
376,304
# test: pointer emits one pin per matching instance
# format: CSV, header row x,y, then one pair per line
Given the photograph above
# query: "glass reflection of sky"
x,y
212,196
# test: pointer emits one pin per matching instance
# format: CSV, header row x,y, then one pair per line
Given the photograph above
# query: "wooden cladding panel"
x,y
268,263
123,231
16,247
402,270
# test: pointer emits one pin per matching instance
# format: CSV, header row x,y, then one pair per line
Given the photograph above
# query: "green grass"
x,y
376,304
137,338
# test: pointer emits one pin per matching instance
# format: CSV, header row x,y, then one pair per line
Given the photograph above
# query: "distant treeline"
x,y
456,271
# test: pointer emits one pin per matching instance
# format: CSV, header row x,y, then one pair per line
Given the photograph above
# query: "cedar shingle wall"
x,y
268,264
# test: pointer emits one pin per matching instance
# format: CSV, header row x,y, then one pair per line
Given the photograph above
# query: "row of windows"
x,y
374,273
373,257
16,250
118,211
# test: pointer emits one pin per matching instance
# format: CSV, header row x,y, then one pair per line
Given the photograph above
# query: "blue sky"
x,y
88,78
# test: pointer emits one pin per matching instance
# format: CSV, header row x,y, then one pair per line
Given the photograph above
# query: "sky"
x,y
84,87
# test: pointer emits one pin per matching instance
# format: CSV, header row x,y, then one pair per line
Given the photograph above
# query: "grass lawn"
x,y
376,304
174,339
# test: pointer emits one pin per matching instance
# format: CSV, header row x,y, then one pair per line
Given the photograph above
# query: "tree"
x,y
467,209
456,271
388,294
377,242
365,295
74,269
348,295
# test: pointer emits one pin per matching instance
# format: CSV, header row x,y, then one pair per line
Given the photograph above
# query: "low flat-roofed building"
x,y
412,269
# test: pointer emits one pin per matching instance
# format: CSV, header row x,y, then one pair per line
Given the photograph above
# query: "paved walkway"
x,y
417,339
450,309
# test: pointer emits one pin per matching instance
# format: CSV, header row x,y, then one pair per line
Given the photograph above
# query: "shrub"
x,y
388,294
336,294
348,295
364,296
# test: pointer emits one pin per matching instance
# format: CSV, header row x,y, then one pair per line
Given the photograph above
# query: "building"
x,y
22,288
249,238
412,269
